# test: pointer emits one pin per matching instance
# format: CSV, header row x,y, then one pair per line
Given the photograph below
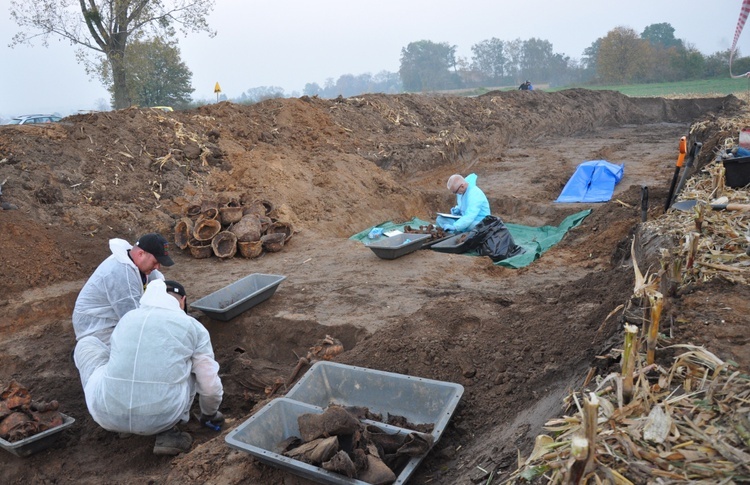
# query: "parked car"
x,y
34,119
163,108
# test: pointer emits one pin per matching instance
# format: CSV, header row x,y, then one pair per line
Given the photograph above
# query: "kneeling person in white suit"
x,y
160,358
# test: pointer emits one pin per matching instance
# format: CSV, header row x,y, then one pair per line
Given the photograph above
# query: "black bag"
x,y
492,238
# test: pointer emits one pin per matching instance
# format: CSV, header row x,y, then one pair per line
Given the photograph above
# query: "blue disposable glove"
x,y
455,211
449,228
214,422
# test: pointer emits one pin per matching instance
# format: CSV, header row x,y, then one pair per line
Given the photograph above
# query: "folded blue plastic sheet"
x,y
592,181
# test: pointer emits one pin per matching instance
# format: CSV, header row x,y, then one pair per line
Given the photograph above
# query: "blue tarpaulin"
x,y
592,181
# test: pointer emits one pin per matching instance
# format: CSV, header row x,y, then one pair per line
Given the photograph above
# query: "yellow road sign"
x,y
217,88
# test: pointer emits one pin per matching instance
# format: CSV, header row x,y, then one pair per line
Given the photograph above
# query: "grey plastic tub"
x,y
455,244
262,433
419,400
37,442
243,294
399,245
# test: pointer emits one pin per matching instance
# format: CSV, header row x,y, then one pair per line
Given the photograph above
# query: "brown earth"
x,y
518,340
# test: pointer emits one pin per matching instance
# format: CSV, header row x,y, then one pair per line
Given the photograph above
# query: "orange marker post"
x,y
680,162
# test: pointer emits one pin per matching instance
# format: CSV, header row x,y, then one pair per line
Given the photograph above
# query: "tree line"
x,y
623,56
131,47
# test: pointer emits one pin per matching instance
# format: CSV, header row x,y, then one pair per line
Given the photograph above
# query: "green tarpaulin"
x,y
535,240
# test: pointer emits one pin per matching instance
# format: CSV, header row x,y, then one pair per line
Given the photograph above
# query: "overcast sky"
x,y
291,43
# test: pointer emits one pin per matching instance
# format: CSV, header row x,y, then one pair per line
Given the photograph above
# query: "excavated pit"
x,y
517,340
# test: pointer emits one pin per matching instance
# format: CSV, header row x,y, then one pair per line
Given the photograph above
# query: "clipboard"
x,y
449,216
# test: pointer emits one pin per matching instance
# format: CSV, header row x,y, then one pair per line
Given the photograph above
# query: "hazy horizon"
x,y
290,44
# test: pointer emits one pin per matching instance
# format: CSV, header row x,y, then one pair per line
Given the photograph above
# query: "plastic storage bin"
x,y
262,433
396,246
243,294
455,244
737,172
420,401
37,442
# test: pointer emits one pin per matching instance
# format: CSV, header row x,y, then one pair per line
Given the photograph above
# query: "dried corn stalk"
x,y
682,431
629,355
657,302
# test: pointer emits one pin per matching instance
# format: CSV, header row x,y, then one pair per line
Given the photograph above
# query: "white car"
x,y
34,119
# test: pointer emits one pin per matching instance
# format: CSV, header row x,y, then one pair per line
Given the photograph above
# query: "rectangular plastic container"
x,y
396,246
419,400
37,442
243,294
737,172
261,434
455,245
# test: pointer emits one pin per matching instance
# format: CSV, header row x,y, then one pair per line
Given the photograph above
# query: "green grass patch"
x,y
698,88
719,86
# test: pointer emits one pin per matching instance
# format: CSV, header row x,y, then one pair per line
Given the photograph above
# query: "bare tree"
x,y
106,27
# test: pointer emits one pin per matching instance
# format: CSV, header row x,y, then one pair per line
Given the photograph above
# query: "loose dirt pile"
x,y
517,340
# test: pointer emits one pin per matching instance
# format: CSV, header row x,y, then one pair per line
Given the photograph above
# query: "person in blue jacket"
x,y
471,204
526,86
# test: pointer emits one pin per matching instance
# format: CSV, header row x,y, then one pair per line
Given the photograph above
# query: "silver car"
x,y
34,119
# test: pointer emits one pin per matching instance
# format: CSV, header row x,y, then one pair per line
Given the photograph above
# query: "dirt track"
x,y
517,340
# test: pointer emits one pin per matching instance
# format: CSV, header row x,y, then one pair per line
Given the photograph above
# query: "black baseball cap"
x,y
174,287
157,245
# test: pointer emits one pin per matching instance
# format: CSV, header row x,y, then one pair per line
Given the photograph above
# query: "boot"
x,y
172,442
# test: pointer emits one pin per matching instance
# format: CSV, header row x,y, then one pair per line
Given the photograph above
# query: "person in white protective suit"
x,y
117,284
471,204
160,358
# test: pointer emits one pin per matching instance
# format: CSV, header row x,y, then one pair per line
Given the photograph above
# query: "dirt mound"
x,y
517,340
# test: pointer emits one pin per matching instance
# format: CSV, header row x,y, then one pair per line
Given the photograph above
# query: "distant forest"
x,y
621,57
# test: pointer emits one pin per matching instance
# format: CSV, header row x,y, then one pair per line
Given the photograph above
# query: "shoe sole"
x,y
164,450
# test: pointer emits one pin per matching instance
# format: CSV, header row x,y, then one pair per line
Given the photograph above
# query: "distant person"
x,y
471,204
161,357
116,286
526,86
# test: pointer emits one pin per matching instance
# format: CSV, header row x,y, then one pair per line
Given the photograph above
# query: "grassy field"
x,y
702,88
705,87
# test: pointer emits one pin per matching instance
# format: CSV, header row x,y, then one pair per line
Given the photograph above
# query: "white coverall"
x,y
112,291
160,358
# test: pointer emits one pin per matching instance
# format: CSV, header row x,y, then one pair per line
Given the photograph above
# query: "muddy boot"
x,y
172,442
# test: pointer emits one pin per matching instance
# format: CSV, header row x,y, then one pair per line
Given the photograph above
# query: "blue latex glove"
x,y
214,422
455,211
449,228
